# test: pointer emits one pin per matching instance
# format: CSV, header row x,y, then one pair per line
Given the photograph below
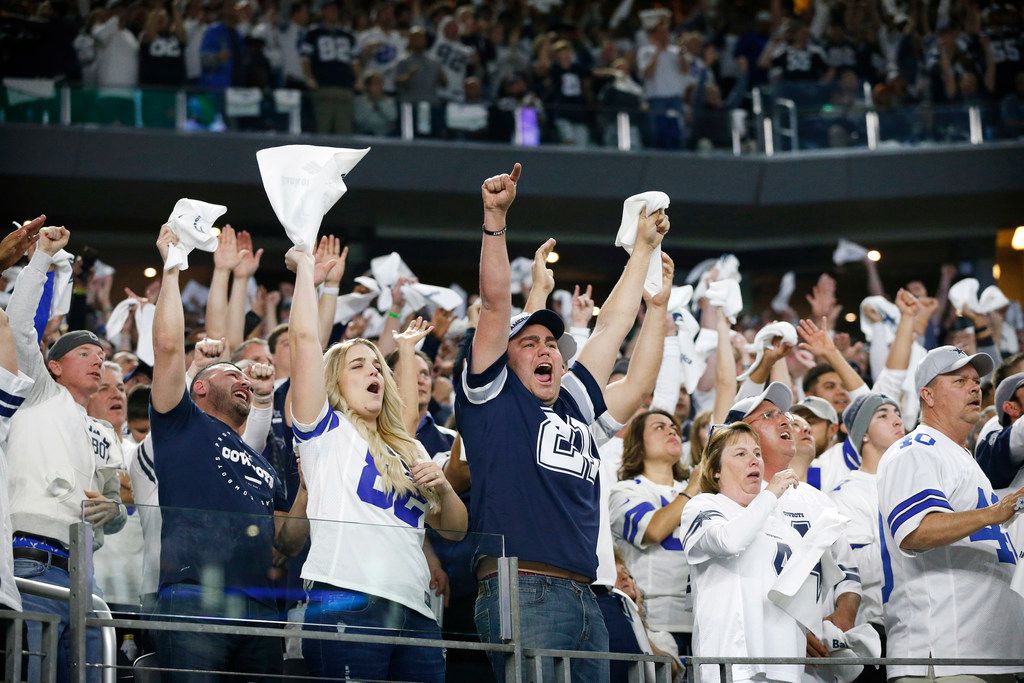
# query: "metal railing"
x,y
725,664
88,611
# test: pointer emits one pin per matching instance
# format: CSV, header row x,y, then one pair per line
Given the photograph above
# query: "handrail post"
x,y
872,125
65,105
758,108
407,129
508,602
622,131
80,598
974,119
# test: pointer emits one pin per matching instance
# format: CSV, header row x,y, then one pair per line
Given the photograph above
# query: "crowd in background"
x,y
557,71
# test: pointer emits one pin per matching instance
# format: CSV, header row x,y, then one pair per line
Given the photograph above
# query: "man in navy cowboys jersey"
x,y
223,505
525,422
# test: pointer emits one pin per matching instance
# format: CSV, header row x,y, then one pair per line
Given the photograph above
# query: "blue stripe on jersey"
x,y
887,582
6,411
858,546
329,422
145,464
633,517
814,477
849,573
850,456
11,399
919,502
698,521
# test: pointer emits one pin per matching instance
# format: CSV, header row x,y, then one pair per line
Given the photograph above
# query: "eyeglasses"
x,y
768,415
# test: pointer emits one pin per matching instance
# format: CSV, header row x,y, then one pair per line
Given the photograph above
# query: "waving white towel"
x,y
727,267
63,281
626,237
848,252
118,317
766,337
859,641
992,299
693,362
192,221
387,270
885,308
303,182
786,287
726,295
964,294
351,305
796,589
433,297
144,315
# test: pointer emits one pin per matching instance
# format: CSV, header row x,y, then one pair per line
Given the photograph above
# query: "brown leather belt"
x,y
41,556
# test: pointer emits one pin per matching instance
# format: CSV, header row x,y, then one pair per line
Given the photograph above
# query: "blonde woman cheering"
x,y
371,488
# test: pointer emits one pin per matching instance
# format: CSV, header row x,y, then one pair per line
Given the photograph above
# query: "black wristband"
x,y
494,233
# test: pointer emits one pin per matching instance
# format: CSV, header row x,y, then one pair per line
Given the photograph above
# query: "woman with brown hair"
x,y
736,545
646,507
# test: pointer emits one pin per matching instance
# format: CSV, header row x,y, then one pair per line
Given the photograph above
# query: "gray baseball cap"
x,y
857,416
817,407
949,359
1006,390
70,341
776,393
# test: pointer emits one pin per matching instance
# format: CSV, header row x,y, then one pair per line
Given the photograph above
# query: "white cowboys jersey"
x,y
363,539
660,570
951,601
857,500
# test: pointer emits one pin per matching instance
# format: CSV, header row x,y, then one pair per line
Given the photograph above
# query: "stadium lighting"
x,y
875,255
553,257
215,232
149,272
1018,238
851,317
597,310
996,271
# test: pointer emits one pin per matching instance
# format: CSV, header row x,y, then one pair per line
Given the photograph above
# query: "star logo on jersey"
x,y
564,445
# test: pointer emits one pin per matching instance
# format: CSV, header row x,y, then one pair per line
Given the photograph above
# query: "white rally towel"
x,y
992,299
964,294
387,270
101,269
727,267
765,338
885,308
726,295
698,270
63,283
848,252
796,590
521,270
786,287
303,182
679,298
191,221
706,343
433,297
693,362
859,641
144,315
118,317
351,305
626,237
194,296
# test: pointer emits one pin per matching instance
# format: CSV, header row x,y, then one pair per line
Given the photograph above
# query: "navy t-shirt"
x,y
331,52
534,467
217,499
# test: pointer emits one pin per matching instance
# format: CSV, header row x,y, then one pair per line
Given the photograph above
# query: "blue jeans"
x,y
38,571
213,651
665,119
343,611
620,632
553,614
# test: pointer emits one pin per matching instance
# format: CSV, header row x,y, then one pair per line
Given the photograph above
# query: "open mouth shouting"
x,y
544,373
375,387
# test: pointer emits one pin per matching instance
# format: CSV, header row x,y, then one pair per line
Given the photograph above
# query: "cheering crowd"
x,y
671,479
677,69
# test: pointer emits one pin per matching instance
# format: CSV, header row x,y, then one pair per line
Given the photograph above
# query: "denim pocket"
x,y
28,569
532,591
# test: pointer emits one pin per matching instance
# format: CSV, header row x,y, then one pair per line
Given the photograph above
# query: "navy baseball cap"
x,y
550,320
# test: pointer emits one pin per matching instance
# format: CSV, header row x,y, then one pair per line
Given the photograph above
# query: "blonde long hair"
x,y
391,445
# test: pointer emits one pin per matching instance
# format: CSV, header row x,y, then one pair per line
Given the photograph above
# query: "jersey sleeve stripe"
x,y
145,465
327,423
929,503
6,411
574,386
913,500
632,523
485,392
11,399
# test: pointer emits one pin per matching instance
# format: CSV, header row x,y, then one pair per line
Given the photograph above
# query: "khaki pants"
x,y
332,108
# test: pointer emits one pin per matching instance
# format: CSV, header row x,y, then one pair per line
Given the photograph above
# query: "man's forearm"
x,y
495,272
938,529
217,304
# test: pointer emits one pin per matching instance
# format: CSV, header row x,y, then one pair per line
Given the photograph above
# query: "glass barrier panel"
x,y
224,569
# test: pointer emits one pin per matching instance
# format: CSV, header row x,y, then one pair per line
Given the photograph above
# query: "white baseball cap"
x,y
776,393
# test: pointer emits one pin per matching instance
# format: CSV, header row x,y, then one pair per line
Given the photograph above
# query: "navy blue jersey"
x,y
534,467
1000,452
331,52
432,438
217,498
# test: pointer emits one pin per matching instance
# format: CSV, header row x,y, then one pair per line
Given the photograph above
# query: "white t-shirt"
x,y
857,500
735,556
951,601
362,539
117,55
668,80
660,570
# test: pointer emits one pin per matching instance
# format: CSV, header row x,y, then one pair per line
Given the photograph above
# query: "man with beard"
x,y
222,502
